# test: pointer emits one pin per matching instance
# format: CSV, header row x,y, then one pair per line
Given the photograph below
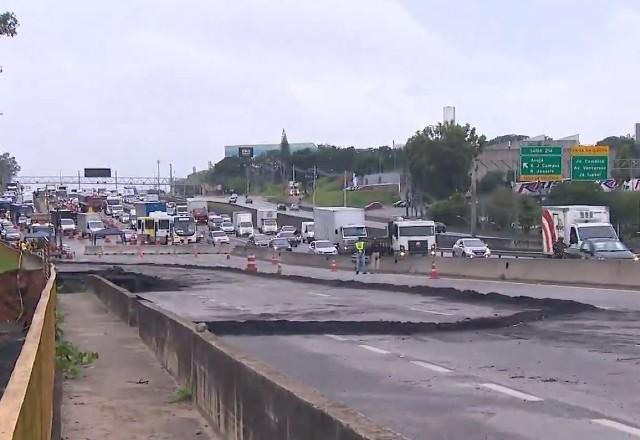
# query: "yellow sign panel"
x,y
547,178
590,150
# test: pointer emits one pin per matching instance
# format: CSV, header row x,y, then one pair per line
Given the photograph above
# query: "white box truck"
x,y
89,223
266,221
242,224
412,236
341,226
573,224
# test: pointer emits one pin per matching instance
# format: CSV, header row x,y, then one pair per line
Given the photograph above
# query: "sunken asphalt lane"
x,y
430,366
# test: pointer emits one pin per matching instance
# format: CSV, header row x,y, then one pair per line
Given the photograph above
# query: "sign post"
x,y
590,162
540,163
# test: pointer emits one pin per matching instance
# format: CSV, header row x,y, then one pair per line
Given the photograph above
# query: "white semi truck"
x,y
242,223
340,225
412,236
266,221
574,223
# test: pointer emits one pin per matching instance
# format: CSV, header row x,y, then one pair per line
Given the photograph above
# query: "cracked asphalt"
x,y
568,376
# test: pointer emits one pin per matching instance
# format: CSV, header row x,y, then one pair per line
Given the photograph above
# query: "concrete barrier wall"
x,y
120,302
26,407
243,398
594,273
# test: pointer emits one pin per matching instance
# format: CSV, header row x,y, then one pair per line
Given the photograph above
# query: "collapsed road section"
x,y
423,362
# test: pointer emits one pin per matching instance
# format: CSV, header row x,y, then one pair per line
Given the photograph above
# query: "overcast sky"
x,y
120,84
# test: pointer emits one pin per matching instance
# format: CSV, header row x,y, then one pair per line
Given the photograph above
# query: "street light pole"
x,y
158,176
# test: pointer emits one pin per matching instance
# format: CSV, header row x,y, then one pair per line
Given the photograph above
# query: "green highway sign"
x,y
541,163
590,162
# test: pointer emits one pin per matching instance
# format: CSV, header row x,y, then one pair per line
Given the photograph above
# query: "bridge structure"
x,y
79,181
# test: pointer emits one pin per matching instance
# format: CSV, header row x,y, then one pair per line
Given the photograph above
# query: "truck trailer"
x,y
340,225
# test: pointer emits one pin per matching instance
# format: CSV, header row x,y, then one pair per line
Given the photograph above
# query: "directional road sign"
x,y
590,162
540,163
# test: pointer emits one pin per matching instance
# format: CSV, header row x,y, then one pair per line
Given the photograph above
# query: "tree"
x,y
8,24
440,158
577,193
491,181
9,169
285,150
529,213
500,207
452,211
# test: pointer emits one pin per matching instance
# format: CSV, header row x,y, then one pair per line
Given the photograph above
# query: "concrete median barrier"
x,y
243,398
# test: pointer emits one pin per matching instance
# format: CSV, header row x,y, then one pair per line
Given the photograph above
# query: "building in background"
x,y
449,114
260,149
637,133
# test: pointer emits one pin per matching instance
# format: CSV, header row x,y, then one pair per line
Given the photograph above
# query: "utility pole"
x,y
116,174
315,172
78,181
171,178
474,197
344,190
158,176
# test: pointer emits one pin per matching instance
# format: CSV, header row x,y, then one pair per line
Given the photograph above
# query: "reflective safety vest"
x,y
360,246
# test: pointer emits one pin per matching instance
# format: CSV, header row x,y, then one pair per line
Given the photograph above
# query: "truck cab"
x,y
412,236
267,221
243,224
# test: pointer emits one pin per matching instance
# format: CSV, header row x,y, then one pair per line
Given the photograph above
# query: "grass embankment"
x,y
329,193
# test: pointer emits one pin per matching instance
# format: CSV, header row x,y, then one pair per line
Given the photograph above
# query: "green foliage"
x,y
285,150
501,208
8,24
624,207
182,394
439,158
9,168
507,138
453,211
69,358
577,193
529,213
491,181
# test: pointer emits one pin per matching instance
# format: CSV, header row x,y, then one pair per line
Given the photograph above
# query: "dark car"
x,y
605,249
248,200
441,228
279,244
281,207
400,204
293,239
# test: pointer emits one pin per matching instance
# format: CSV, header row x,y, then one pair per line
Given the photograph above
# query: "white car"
x,y
227,227
470,248
218,237
68,226
226,218
233,198
287,228
323,247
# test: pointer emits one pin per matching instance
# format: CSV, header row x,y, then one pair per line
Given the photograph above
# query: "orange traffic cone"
x,y
434,271
228,256
274,260
141,254
279,268
195,253
334,268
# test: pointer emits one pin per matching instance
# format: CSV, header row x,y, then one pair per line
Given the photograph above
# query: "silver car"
x,y
470,248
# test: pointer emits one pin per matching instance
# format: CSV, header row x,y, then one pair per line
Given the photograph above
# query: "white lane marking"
x,y
512,392
318,294
337,338
618,426
432,367
374,349
212,300
433,312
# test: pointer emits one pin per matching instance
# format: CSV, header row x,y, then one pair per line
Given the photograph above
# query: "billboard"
x,y
246,152
97,172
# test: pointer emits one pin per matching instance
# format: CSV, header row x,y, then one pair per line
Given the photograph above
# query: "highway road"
x,y
567,377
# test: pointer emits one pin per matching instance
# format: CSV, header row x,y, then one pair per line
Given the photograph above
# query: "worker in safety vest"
x,y
360,256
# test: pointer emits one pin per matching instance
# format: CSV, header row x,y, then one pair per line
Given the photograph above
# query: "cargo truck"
x,y
198,208
89,223
572,224
242,224
266,221
412,236
340,225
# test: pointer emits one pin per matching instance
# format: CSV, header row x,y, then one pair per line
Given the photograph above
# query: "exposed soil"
x,y
11,339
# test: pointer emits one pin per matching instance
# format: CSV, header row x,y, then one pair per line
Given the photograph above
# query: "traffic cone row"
x,y
434,271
